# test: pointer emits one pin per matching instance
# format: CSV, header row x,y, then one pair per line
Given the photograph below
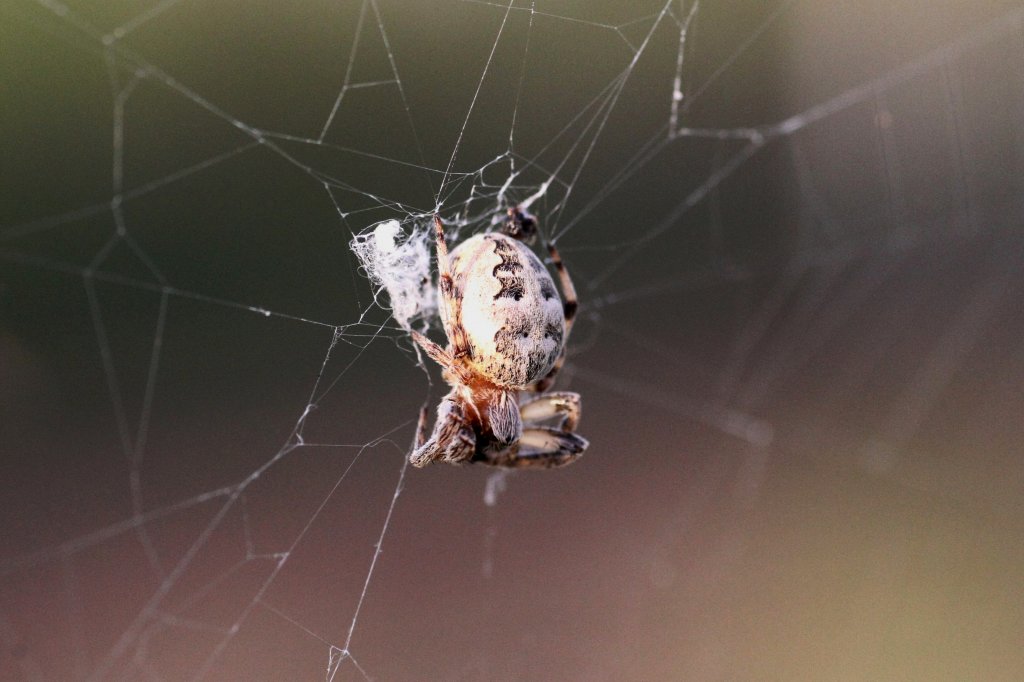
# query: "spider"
x,y
506,328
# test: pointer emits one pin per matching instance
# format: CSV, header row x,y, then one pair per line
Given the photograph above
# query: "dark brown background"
x,y
803,396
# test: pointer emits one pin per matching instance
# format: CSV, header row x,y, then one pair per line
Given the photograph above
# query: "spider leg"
x,y
569,307
540,447
421,428
550,405
441,357
453,439
452,299
438,354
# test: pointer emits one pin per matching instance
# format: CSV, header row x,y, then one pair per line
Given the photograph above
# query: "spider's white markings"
x,y
506,327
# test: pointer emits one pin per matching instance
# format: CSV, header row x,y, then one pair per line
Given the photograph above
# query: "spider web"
x,y
796,233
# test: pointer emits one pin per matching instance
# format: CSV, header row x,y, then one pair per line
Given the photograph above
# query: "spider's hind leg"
x,y
569,307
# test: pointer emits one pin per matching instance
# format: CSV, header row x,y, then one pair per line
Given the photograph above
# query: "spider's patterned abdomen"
x,y
511,310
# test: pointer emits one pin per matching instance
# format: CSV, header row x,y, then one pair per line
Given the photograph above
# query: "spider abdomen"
x,y
511,311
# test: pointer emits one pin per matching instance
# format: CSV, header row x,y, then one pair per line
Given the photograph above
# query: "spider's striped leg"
x,y
452,299
550,405
538,448
569,306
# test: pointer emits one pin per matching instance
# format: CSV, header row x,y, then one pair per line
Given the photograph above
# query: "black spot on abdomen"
x,y
538,360
511,287
510,261
508,271
553,331
511,367
505,338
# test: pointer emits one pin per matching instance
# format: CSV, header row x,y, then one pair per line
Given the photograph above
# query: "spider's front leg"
x,y
453,439
451,299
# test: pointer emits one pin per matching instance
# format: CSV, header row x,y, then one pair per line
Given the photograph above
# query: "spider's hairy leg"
x,y
570,304
453,439
421,428
539,448
441,357
437,354
549,405
451,299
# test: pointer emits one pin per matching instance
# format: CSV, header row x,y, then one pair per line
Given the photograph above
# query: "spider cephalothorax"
x,y
506,328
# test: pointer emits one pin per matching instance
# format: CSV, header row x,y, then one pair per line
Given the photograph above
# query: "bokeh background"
x,y
799,348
